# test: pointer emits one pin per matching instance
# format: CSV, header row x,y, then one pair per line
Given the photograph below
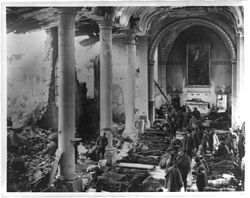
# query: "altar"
x,y
202,107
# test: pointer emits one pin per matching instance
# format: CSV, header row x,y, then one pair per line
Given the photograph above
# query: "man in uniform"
x,y
196,113
189,143
101,143
173,178
183,163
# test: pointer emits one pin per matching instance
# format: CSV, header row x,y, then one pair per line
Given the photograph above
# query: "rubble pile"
x,y
140,166
27,169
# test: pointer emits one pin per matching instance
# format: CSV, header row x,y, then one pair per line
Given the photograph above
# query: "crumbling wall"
x,y
28,76
88,70
32,80
85,65
50,117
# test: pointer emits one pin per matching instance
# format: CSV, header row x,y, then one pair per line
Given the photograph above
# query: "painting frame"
x,y
198,64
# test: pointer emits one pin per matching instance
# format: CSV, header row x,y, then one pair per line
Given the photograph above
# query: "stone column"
x,y
162,75
66,97
142,50
234,92
151,92
105,73
105,27
130,130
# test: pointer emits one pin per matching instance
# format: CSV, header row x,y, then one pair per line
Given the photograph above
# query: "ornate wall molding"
x,y
213,62
177,62
180,25
221,62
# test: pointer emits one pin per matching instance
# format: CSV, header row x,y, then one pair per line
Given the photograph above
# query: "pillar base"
x,y
74,185
140,125
146,120
111,155
147,124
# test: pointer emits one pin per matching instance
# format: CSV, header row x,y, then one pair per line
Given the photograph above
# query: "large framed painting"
x,y
198,63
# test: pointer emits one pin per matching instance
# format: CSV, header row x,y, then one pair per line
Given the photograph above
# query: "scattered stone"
x,y
53,137
18,164
26,166
16,139
51,148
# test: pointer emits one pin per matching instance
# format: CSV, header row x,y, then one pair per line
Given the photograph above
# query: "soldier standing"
x,y
101,143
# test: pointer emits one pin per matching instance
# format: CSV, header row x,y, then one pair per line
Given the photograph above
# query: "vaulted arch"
x,y
173,30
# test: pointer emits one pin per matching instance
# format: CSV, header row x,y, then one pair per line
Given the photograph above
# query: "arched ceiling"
x,y
149,19
193,33
172,31
150,16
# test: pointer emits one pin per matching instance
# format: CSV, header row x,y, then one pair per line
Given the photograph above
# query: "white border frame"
x,y
3,88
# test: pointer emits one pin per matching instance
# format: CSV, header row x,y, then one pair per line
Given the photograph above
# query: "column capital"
x,y
132,40
105,24
67,10
145,37
131,37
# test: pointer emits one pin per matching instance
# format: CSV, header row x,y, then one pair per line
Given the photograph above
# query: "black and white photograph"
x,y
103,98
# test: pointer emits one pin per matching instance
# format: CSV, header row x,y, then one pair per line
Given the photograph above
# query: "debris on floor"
x,y
139,167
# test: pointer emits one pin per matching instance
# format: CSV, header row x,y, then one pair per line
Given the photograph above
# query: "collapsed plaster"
x,y
32,86
49,119
33,82
28,76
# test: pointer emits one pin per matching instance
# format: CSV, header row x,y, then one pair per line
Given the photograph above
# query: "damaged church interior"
x,y
125,99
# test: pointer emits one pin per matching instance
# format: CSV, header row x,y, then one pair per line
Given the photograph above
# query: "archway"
x,y
173,30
